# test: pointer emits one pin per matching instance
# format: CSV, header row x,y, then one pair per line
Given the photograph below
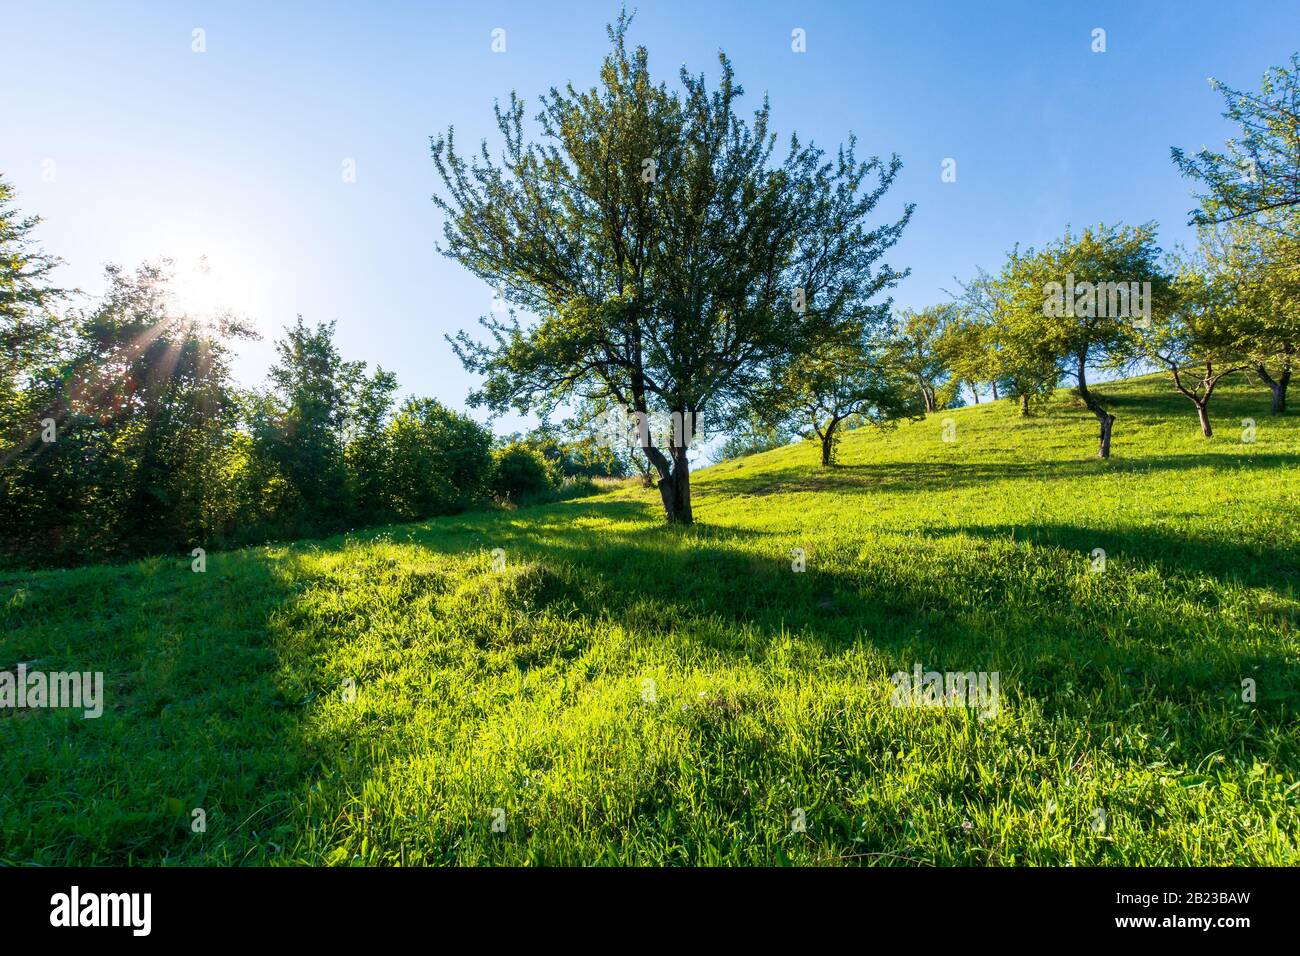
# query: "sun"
x,y
196,288
209,283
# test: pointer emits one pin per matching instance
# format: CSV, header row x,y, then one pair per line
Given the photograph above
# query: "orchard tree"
x,y
1022,355
917,348
1262,267
1253,187
667,261
1196,338
846,387
990,350
968,352
1080,302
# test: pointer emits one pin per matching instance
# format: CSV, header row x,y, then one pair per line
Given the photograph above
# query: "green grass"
x,y
525,689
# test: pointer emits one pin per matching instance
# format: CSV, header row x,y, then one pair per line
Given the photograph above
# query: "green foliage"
x,y
1257,176
670,260
123,433
440,460
917,349
1080,303
137,410
520,472
845,387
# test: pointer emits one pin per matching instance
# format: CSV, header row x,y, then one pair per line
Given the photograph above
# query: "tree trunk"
x,y
1203,413
674,483
1107,424
974,391
828,443
994,383
1024,406
1277,386
1104,418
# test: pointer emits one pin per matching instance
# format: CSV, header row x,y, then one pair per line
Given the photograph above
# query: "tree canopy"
x,y
669,261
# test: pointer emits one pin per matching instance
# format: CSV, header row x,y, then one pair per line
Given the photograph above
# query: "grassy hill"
x,y
625,692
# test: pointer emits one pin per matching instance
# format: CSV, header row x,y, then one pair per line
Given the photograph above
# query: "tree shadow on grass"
x,y
194,716
215,682
708,595
1059,640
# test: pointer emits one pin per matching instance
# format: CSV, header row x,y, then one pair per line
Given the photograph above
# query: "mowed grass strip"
x,y
621,692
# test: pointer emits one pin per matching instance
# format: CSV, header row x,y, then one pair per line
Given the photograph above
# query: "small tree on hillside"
x,y
1196,338
668,262
1262,269
968,353
1081,300
844,388
991,350
916,348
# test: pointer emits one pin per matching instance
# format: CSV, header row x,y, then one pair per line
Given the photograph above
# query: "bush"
x,y
439,460
520,472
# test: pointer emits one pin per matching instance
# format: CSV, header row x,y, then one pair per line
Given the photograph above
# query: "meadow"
x,y
613,690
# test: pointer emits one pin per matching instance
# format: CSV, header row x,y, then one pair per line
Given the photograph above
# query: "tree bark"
x,y
928,394
828,443
974,391
1277,386
1107,425
674,483
1024,405
1203,413
994,383
1105,420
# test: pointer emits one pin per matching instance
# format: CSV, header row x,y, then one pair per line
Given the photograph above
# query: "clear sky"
x,y
132,145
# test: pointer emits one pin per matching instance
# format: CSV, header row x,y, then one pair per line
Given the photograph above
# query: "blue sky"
x,y
133,146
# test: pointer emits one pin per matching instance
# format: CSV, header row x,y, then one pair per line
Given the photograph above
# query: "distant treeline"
x,y
123,434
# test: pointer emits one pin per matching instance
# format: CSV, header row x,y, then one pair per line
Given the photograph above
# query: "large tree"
x,y
666,259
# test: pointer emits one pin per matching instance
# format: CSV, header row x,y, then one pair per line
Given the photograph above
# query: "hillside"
x,y
627,692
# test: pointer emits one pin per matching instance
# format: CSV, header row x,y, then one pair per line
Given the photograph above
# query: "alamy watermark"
x,y
22,688
617,429
922,688
1121,300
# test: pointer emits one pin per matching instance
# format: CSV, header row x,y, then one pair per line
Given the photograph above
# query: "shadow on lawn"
x,y
1048,640
733,591
211,684
194,715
